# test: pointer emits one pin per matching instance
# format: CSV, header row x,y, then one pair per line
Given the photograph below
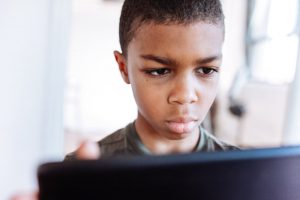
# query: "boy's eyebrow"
x,y
209,59
158,59
167,61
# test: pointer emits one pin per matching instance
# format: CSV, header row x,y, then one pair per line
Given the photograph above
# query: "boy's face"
x,y
174,72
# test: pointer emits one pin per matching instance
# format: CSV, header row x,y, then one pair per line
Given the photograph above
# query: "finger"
x,y
25,196
88,150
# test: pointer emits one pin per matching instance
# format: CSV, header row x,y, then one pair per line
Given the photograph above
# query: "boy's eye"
x,y
158,72
206,71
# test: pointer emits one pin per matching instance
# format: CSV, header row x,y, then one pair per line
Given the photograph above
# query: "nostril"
x,y
183,98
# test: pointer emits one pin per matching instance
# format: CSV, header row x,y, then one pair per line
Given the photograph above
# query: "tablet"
x,y
261,174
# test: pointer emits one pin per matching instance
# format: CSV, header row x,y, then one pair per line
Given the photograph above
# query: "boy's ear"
x,y
122,66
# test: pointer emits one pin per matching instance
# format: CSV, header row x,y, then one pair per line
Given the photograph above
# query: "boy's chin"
x,y
178,136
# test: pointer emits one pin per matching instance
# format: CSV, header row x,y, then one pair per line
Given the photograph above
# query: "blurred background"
x,y
60,84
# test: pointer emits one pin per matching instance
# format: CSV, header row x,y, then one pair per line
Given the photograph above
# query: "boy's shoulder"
x,y
209,142
115,143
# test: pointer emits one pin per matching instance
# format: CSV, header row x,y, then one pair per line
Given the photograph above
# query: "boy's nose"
x,y
184,91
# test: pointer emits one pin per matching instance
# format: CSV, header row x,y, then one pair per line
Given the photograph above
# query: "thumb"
x,y
25,196
88,150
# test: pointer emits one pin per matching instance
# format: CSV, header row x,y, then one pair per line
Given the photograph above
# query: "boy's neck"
x,y
159,145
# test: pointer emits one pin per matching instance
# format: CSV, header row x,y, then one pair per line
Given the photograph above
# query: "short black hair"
x,y
138,12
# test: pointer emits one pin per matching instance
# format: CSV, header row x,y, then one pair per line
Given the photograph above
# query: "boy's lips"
x,y
181,125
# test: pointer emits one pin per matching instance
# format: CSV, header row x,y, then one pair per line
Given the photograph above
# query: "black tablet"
x,y
260,174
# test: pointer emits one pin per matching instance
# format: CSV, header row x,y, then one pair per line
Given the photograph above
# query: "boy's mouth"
x,y
181,125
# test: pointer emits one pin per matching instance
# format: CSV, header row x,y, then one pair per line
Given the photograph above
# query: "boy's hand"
x,y
88,150
25,196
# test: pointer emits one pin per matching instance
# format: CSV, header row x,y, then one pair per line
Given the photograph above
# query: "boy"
x,y
171,56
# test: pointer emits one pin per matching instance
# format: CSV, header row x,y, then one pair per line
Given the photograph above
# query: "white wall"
x,y
97,100
33,40
291,135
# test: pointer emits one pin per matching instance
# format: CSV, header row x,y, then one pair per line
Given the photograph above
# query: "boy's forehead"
x,y
155,29
158,36
178,32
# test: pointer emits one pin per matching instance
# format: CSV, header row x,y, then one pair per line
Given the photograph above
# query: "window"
x,y
272,38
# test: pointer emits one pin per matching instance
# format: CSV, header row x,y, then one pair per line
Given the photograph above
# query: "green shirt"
x,y
126,141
